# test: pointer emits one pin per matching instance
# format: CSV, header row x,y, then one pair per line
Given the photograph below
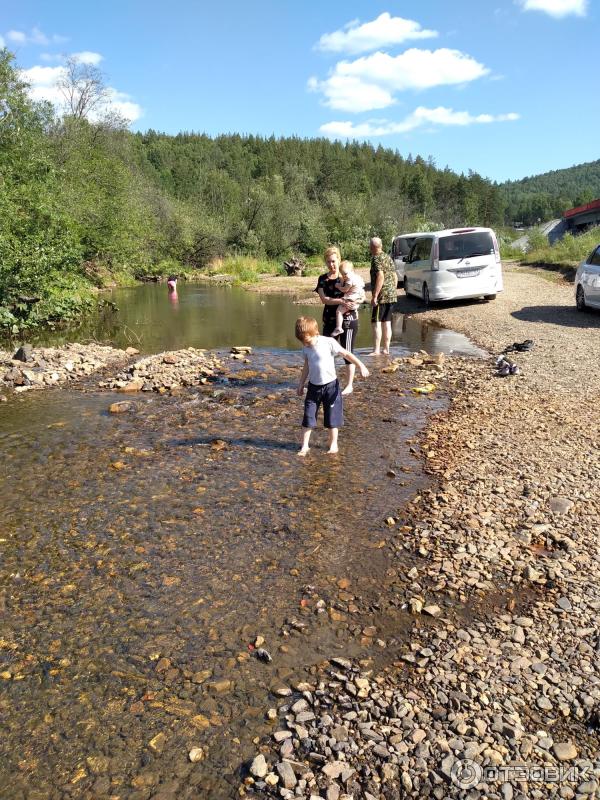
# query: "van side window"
x,y
395,248
421,250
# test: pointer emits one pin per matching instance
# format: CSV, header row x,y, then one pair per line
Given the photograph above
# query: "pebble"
x,y
259,767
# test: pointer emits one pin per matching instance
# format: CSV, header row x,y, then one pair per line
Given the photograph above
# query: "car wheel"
x,y
425,294
580,298
488,297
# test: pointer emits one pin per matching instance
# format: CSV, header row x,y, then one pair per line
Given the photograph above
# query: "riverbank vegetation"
x,y
86,203
569,251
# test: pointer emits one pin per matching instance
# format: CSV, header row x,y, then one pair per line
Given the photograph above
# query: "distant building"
x,y
583,217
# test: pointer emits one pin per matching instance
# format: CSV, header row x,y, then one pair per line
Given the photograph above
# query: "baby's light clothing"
x,y
320,357
356,293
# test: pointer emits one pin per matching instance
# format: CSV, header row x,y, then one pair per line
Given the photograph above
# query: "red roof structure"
x,y
573,212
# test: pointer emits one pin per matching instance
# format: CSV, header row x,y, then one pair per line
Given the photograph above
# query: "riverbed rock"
x,y
166,372
24,353
54,366
259,766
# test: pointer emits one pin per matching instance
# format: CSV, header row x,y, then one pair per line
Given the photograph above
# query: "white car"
x,y
454,265
587,281
400,249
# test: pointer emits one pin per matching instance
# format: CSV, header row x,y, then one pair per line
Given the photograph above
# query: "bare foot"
x,y
385,352
348,390
333,450
374,353
303,452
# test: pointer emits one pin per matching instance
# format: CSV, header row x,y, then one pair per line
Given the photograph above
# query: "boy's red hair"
x,y
306,327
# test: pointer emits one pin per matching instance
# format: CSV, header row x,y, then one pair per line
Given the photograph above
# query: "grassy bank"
x,y
566,253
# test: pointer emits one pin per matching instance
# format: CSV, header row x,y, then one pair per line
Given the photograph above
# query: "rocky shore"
x,y
46,367
497,691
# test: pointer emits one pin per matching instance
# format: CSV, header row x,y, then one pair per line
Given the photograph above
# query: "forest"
x,y
544,197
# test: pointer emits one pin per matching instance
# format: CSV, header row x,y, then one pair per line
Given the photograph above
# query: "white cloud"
x,y
385,31
87,57
43,85
420,117
35,36
124,105
557,8
18,37
352,94
383,74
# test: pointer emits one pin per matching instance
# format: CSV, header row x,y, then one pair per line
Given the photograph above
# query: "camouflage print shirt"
x,y
383,263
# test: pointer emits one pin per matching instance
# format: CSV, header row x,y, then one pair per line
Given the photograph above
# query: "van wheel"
x,y
488,297
580,298
426,294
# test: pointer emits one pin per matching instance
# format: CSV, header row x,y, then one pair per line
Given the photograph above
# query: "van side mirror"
x,y
404,258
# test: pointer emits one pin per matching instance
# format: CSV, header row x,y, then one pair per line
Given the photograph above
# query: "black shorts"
x,y
382,312
330,395
349,331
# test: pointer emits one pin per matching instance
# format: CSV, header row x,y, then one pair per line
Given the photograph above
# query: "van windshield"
x,y
466,245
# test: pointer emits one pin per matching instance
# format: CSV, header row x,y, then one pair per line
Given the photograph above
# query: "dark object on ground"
x,y
505,367
24,353
519,347
295,267
264,655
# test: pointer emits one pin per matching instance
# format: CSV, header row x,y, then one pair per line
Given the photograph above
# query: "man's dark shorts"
x,y
349,331
382,312
330,395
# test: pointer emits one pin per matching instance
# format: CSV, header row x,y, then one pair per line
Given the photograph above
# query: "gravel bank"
x,y
497,693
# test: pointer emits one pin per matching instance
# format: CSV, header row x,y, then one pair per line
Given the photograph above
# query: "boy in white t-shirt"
x,y
353,288
323,385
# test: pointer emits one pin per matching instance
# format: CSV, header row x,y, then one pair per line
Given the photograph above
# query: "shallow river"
x,y
142,554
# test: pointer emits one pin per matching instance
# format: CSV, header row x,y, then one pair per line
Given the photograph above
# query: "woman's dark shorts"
x,y
349,331
330,395
382,312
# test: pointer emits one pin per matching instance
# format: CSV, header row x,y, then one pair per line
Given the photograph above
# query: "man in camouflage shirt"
x,y
384,293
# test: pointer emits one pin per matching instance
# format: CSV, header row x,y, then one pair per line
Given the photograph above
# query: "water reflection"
x,y
204,315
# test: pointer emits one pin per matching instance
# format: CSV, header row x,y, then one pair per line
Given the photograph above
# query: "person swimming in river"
x,y
172,283
352,287
323,385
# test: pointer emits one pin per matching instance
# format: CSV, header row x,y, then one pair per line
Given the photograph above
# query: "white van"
x,y
454,265
400,249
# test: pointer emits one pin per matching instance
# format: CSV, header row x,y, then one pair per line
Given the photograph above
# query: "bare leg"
x,y
333,440
387,336
350,381
376,326
339,320
306,432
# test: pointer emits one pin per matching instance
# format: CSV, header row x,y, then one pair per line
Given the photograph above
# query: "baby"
x,y
353,288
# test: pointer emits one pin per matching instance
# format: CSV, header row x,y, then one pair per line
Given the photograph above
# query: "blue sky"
x,y
504,87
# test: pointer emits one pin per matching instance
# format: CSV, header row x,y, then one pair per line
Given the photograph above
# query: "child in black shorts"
x,y
323,385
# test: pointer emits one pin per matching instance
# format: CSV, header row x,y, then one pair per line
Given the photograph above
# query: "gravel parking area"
x,y
497,693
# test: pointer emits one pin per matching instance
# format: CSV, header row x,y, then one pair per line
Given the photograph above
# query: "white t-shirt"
x,y
320,356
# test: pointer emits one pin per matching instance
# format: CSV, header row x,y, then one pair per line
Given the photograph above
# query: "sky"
x,y
506,88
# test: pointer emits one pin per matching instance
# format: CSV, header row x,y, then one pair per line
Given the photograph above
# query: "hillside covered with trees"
x,y
84,201
547,196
